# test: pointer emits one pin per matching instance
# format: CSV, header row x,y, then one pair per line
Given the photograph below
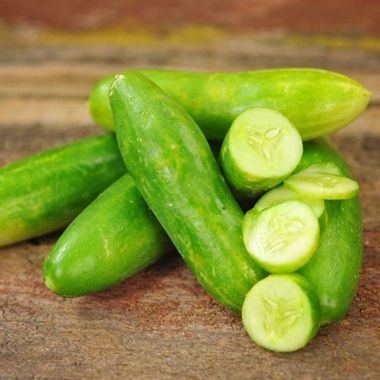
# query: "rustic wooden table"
x,y
160,324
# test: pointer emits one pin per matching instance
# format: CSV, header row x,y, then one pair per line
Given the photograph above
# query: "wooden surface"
x,y
161,324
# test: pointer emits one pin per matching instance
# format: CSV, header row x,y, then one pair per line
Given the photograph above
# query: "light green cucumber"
x,y
316,102
175,171
282,194
322,185
281,313
46,191
324,168
115,237
281,238
261,149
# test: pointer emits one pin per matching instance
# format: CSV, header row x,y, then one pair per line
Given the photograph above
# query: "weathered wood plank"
x,y
330,17
233,53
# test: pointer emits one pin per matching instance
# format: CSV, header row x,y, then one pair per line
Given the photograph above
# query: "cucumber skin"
x,y
177,175
334,269
45,192
115,237
316,102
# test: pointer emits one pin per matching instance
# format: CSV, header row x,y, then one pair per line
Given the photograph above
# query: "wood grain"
x,y
323,16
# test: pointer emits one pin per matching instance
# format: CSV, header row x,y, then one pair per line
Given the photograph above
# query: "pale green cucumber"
x,y
316,102
281,238
322,185
261,149
281,194
281,313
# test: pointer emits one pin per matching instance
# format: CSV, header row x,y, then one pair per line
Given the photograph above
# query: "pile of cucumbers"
x,y
289,264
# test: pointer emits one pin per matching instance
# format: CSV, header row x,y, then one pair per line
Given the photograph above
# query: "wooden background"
x,y
161,324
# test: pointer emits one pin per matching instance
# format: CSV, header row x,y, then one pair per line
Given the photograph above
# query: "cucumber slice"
x,y
282,194
323,168
281,313
255,155
281,238
322,185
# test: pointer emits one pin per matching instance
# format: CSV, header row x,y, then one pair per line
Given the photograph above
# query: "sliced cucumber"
x,y
281,312
323,168
322,185
282,194
281,238
255,155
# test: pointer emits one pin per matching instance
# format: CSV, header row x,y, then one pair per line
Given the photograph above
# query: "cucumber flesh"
x,y
282,194
281,238
322,185
323,168
255,155
281,313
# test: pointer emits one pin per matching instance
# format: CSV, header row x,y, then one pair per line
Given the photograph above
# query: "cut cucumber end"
x,y
281,313
282,194
258,142
322,185
281,238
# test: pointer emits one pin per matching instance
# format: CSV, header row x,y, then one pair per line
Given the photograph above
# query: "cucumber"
x,y
256,153
334,269
281,238
115,237
45,192
282,194
316,102
281,313
322,186
175,171
325,168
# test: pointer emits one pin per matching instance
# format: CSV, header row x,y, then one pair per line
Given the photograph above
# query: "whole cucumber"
x,y
175,171
334,269
316,102
46,191
115,237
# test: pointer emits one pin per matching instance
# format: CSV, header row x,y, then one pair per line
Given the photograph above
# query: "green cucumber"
x,y
281,238
322,185
45,192
115,237
325,168
334,269
175,171
281,313
281,194
316,102
256,154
